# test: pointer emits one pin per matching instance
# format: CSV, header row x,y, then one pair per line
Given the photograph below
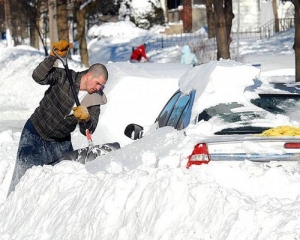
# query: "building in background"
x,y
187,16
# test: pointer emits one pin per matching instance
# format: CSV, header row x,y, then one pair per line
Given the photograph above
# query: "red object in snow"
x,y
138,53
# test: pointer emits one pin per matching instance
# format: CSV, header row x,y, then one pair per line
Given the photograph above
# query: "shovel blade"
x,y
84,155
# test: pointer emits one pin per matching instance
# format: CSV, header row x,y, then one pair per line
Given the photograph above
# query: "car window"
x,y
225,111
245,120
223,108
177,111
165,113
286,104
237,119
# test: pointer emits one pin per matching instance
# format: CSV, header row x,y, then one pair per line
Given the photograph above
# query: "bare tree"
x,y
52,21
223,16
210,19
297,39
62,20
274,5
8,23
81,10
25,21
33,14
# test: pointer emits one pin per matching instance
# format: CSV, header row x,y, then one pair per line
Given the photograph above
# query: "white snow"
x,y
144,191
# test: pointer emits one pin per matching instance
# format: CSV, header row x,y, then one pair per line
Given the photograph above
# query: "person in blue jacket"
x,y
187,56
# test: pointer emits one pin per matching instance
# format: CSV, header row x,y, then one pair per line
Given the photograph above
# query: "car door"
x,y
176,113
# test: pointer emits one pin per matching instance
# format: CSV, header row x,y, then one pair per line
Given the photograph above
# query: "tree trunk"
x,y
81,38
33,15
80,15
34,38
228,18
297,39
8,23
62,20
221,30
210,19
274,4
52,22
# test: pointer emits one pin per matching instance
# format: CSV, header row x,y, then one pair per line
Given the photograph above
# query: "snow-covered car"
x,y
135,92
147,86
231,115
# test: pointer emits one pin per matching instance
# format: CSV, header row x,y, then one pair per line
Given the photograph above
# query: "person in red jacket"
x,y
138,53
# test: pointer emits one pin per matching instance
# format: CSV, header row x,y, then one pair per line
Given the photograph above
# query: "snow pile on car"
x,y
221,77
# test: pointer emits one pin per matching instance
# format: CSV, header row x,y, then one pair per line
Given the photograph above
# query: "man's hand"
x,y
61,48
81,113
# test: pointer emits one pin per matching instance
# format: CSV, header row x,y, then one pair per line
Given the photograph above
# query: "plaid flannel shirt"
x,y
52,118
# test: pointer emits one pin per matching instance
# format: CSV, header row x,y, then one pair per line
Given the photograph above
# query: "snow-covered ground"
x,y
138,193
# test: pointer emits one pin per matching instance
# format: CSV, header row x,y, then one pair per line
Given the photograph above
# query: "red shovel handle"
x,y
88,135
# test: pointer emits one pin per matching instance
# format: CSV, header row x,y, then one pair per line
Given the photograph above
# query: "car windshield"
x,y
252,120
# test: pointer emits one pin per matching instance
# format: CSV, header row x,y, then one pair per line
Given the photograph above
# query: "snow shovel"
x,y
91,152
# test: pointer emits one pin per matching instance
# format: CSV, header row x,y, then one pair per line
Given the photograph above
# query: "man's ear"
x,y
88,74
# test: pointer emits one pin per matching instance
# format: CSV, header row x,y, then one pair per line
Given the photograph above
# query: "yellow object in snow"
x,y
282,131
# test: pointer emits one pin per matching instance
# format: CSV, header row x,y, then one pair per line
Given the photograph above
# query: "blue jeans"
x,y
34,150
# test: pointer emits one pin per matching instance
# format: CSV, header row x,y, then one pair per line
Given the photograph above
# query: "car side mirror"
x,y
134,131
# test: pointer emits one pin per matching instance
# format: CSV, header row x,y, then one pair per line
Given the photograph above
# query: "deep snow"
x,y
138,192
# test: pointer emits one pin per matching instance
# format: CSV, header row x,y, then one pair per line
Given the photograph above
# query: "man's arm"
x,y
41,72
143,53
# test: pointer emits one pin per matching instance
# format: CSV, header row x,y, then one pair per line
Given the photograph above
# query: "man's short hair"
x,y
99,69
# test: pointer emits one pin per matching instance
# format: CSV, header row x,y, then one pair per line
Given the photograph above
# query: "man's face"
x,y
93,84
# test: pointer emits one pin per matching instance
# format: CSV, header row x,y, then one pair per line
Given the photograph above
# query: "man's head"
x,y
99,69
95,78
